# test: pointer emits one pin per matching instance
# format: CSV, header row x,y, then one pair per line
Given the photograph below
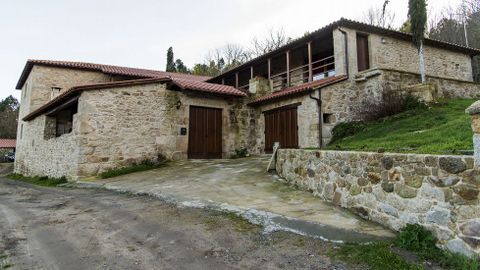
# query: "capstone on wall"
x,y
438,192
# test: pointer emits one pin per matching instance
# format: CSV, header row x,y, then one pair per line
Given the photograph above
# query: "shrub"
x,y
343,130
416,238
240,153
419,240
391,103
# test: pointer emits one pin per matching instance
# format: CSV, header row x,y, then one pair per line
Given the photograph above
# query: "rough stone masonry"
x,y
438,192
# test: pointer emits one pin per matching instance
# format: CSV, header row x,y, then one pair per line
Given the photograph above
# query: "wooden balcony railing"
x,y
299,75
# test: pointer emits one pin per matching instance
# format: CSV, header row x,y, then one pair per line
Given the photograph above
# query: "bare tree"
x,y
274,39
380,16
235,55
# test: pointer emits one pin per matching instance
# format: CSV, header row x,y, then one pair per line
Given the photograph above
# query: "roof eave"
x,y
77,90
296,94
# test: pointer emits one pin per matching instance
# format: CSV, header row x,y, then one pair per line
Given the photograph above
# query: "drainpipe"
x,y
320,116
319,99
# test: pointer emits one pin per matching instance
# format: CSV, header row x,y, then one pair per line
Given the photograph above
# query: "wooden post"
x,y
287,54
310,70
236,80
269,68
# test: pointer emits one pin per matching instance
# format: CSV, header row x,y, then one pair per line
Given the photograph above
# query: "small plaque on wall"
x,y
183,131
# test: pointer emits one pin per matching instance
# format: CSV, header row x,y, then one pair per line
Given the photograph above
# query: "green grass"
x,y
38,180
144,166
414,240
443,128
377,256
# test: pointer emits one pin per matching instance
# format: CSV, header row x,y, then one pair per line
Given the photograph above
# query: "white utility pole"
x,y
464,7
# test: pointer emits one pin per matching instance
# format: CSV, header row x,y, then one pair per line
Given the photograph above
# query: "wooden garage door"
x,y
205,136
281,126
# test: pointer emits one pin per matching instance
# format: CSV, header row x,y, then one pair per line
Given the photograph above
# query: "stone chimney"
x,y
474,111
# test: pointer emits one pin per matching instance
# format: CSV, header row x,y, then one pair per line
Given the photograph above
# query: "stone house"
x,y
6,146
80,119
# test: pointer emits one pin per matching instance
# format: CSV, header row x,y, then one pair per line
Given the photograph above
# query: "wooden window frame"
x,y
365,56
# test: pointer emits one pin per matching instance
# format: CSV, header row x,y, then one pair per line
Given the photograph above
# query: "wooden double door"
x,y
281,126
205,135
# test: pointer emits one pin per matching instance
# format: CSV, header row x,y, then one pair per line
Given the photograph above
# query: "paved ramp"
x,y
243,186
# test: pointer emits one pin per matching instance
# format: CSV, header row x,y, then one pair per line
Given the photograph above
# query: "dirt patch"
x,y
6,168
88,229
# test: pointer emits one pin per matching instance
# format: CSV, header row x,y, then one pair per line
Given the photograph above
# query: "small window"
x,y
363,54
55,92
328,118
60,122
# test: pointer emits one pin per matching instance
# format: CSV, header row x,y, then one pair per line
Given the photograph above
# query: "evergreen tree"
x,y
417,14
8,117
180,67
170,61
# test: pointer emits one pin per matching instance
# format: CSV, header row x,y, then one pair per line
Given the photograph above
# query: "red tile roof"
x,y
8,143
208,87
295,90
107,69
182,84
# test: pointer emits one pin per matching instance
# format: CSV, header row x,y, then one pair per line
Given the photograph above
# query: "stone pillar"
x,y
474,111
260,86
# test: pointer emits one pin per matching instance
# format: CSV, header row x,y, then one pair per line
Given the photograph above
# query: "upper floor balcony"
x,y
297,63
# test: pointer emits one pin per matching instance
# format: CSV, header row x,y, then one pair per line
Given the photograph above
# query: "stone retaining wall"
x,y
438,192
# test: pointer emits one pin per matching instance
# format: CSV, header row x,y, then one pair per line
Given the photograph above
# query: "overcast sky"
x,y
137,33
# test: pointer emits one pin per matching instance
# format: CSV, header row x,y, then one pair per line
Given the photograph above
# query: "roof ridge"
x,y
106,69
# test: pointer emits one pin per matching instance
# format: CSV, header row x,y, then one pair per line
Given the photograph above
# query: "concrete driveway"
x,y
243,186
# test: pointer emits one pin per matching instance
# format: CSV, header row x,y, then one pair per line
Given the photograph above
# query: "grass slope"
x,y
441,129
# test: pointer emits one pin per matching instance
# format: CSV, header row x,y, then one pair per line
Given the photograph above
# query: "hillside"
x,y
443,128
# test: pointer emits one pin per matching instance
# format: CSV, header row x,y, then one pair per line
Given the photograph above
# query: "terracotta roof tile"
x,y
8,143
107,69
297,90
208,87
182,84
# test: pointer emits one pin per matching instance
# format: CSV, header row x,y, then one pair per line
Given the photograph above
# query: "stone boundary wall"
x,y
438,192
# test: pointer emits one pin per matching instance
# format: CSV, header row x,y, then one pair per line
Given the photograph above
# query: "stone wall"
x,y
438,192
36,92
123,125
54,157
447,88
390,53
118,126
38,86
